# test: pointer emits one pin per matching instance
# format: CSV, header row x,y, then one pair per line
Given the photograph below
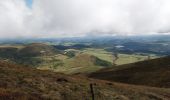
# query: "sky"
x,y
29,3
74,18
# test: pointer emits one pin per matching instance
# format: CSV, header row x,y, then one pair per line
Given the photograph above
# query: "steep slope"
x,y
154,72
23,83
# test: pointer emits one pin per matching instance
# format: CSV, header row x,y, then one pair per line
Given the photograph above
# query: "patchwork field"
x,y
78,59
131,58
122,58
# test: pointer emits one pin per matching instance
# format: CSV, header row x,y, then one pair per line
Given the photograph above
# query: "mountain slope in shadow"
x,y
154,72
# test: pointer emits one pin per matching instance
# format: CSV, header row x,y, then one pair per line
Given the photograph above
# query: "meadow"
x,y
122,57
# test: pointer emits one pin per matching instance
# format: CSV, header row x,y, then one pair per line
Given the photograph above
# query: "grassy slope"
x,y
27,54
23,83
51,59
37,49
102,54
154,72
81,63
131,58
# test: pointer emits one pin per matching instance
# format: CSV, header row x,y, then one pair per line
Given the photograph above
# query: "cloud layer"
x,y
60,18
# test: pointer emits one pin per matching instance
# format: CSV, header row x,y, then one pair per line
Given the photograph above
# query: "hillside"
x,y
23,83
37,49
8,52
154,72
80,63
48,57
29,54
29,50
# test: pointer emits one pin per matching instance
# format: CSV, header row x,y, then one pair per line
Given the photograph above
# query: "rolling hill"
x,y
29,50
48,57
24,83
28,54
8,52
154,72
80,63
37,49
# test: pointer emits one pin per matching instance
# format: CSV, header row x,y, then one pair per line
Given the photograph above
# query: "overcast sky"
x,y
61,18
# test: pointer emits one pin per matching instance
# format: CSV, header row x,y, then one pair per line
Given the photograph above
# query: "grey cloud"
x,y
54,18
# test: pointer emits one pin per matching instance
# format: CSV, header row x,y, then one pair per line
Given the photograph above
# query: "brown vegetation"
x,y
25,83
154,72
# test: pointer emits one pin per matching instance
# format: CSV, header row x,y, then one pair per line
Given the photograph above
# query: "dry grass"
x,y
25,83
154,72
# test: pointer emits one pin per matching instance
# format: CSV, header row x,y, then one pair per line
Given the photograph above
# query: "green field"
x,y
71,60
101,53
131,58
122,58
82,61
